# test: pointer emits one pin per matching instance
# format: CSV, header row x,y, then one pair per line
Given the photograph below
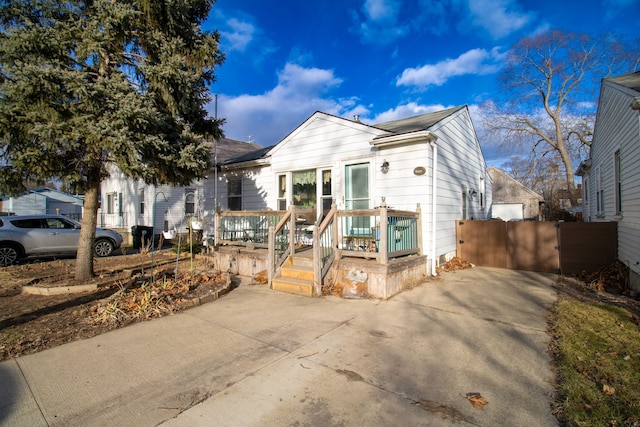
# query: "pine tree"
x,y
89,84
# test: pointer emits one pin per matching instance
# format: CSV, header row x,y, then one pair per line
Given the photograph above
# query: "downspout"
x,y
434,204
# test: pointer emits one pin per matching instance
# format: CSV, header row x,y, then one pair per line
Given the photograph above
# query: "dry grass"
x,y
597,349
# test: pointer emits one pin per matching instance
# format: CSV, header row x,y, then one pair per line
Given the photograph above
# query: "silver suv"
x,y
40,235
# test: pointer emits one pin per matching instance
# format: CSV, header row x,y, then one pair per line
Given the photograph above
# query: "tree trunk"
x,y
84,258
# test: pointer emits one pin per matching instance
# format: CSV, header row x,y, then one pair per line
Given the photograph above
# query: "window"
x,y
189,201
234,194
599,192
482,191
327,198
111,202
304,188
282,192
141,201
59,223
618,182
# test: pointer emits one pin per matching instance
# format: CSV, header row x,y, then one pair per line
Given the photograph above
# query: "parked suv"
x,y
39,235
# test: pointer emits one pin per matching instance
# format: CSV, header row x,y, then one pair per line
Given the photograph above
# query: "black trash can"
x,y
141,233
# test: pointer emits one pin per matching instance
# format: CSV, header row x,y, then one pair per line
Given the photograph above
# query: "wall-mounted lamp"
x,y
385,167
472,193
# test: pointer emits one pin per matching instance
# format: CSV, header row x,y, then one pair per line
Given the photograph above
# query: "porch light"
x,y
385,167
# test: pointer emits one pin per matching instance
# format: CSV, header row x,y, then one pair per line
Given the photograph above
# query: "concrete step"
x,y
293,286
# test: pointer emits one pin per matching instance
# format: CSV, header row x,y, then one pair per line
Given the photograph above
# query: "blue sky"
x,y
379,59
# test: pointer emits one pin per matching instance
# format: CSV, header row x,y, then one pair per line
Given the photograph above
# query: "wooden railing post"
x,y
218,227
271,255
317,262
292,230
419,225
384,235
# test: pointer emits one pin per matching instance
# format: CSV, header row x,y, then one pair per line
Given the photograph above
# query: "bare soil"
x,y
40,309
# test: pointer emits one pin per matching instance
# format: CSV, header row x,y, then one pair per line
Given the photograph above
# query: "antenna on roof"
x,y
250,139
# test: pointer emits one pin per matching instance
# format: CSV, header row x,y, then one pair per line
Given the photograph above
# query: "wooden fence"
x,y
553,247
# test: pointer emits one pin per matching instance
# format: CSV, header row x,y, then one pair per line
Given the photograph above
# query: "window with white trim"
x,y
234,194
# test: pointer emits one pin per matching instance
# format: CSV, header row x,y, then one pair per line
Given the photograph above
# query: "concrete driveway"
x,y
260,357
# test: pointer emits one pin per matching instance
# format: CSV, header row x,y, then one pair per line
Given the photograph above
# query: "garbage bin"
x,y
141,233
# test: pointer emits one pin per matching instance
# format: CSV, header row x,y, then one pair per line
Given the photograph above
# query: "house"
x,y
512,200
126,203
44,201
433,161
611,175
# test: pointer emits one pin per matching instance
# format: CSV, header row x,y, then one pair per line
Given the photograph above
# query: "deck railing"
x,y
380,233
246,227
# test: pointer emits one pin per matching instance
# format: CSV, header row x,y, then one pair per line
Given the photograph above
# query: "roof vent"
x,y
356,118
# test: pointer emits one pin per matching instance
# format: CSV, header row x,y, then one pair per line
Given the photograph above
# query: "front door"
x,y
357,186
357,196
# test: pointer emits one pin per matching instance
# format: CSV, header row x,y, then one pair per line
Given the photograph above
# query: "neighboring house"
x,y
611,175
126,203
432,160
44,201
512,200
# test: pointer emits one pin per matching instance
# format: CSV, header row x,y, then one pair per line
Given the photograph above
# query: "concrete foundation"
x,y
383,281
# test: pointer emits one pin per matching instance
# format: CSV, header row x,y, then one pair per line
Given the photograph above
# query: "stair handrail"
x,y
324,248
277,258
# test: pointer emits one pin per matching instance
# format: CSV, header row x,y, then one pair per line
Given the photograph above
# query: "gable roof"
x,y
499,176
416,123
631,81
227,148
395,127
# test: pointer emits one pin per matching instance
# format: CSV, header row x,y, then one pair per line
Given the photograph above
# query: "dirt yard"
x,y
40,307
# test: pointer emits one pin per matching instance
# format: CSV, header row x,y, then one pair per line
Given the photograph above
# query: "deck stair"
x,y
296,276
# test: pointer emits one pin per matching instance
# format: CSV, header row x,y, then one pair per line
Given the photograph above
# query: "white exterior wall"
x,y
617,128
258,191
171,210
325,142
461,165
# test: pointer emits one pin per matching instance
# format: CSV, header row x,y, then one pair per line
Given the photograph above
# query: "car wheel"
x,y
8,255
103,248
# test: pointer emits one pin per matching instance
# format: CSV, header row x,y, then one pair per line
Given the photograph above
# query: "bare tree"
x,y
549,85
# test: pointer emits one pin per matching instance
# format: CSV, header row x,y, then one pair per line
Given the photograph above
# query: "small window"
x,y
234,194
189,201
599,191
59,223
141,201
282,192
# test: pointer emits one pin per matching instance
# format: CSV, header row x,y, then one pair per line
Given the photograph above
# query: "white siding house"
x,y
433,160
611,176
126,202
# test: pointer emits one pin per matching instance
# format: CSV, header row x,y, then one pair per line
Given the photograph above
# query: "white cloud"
x,y
241,36
406,110
379,22
270,116
238,35
498,17
474,62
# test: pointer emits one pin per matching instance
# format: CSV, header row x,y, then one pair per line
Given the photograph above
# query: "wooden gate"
x,y
561,247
